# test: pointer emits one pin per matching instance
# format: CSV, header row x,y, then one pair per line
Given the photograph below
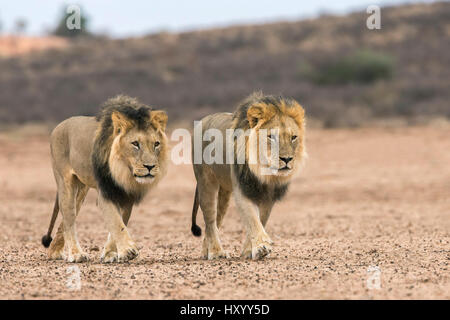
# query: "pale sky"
x,y
135,18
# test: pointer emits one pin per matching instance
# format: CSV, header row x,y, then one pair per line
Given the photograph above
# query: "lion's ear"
x,y
120,122
298,114
259,112
159,119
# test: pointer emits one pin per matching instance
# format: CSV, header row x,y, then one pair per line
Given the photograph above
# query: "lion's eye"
x,y
135,144
294,138
157,143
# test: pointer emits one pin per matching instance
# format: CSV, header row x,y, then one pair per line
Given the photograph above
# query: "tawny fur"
x,y
99,153
255,193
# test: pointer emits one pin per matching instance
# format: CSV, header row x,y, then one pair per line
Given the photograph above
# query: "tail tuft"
x,y
196,230
46,240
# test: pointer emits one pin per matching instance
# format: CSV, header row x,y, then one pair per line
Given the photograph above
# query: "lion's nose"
x,y
149,168
286,159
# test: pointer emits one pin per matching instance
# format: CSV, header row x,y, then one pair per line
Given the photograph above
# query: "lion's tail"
x,y
47,239
196,230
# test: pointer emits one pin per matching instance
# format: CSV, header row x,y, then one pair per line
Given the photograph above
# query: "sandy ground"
x,y
368,198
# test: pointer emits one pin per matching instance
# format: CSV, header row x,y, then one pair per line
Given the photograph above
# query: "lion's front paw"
x,y
76,257
55,254
212,255
127,253
212,251
257,249
109,257
247,252
261,250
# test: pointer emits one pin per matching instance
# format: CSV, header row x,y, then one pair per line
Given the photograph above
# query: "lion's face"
x,y
138,154
283,135
140,150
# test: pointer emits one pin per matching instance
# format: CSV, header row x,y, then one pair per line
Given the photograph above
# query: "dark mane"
x,y
130,107
134,111
249,183
256,190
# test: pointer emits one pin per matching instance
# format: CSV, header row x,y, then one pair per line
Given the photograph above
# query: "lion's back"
x,y
222,122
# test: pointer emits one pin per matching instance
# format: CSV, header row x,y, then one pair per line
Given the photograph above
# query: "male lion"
x,y
122,153
254,190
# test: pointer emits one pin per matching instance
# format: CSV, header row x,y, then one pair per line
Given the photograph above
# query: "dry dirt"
x,y
367,198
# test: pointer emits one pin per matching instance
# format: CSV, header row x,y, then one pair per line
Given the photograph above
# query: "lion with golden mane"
x,y
123,154
255,191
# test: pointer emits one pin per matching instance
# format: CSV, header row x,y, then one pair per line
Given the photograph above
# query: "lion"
x,y
255,192
123,153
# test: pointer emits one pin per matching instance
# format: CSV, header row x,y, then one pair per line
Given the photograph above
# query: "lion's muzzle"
x,y
146,173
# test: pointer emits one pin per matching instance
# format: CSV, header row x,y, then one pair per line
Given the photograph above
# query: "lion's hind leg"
x,y
208,194
69,203
57,245
222,205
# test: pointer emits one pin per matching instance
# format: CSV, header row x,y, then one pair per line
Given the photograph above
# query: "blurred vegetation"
x,y
341,72
20,26
63,31
364,66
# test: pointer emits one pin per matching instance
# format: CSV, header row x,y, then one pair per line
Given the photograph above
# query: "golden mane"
x,y
265,107
252,113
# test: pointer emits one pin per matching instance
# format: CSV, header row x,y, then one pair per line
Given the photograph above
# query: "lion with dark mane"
x,y
123,153
256,185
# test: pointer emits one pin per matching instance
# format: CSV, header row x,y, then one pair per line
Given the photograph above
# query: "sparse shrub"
x,y
361,67
346,116
20,26
62,30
